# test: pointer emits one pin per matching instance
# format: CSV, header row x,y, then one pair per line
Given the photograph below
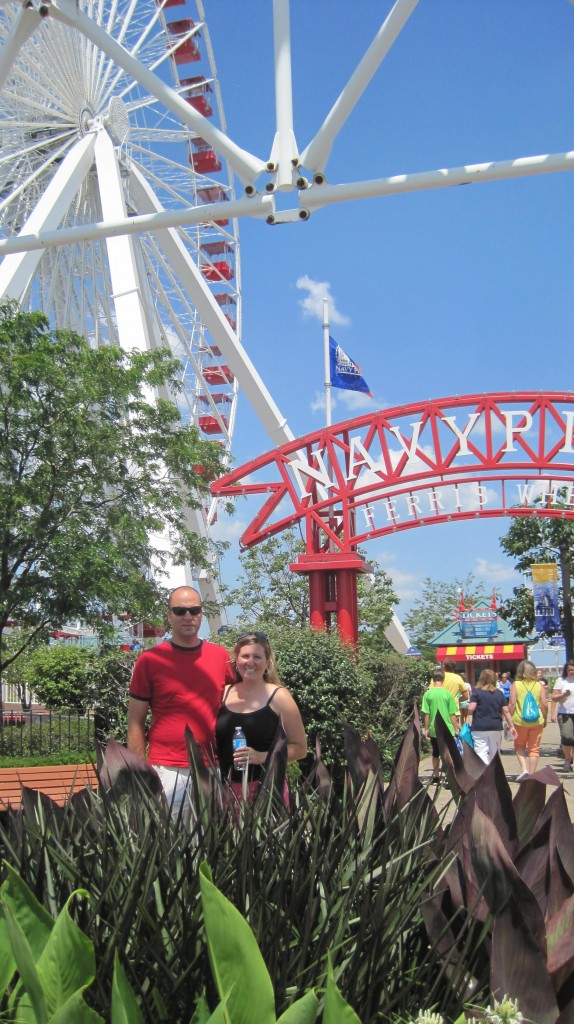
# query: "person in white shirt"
x,y
563,695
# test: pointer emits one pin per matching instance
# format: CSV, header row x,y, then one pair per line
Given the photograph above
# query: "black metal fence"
x,y
37,733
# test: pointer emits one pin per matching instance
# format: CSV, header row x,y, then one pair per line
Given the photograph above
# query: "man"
x,y
181,681
438,701
455,684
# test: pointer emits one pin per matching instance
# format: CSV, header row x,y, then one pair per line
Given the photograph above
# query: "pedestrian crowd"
x,y
498,705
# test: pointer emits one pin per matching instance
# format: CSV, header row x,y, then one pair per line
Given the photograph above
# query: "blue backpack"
x,y
530,709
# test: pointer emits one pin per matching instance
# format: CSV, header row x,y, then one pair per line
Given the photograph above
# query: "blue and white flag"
x,y
545,596
345,373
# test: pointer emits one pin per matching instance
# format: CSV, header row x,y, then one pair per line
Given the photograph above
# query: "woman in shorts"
x,y
528,734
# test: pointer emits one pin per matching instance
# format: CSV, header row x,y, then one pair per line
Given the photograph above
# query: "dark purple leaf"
x,y
533,863
35,802
275,766
528,805
494,797
121,765
202,777
499,879
560,937
404,781
359,757
518,965
459,779
459,842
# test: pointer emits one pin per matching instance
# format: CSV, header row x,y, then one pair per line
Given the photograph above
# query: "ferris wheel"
x,y
84,141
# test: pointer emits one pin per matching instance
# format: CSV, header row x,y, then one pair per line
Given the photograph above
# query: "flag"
x,y
545,595
345,373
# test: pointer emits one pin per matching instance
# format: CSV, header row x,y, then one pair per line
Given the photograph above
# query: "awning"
x,y
481,652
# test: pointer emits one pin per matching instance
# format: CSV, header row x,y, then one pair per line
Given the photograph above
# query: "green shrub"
x,y
55,734
346,876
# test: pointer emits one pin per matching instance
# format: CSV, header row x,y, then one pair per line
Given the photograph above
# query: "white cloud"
x,y
312,304
228,529
353,401
407,586
494,572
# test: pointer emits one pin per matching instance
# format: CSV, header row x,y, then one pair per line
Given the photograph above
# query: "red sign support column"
x,y
333,589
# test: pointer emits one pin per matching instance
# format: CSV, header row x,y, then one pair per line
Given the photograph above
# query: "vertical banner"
x,y
545,596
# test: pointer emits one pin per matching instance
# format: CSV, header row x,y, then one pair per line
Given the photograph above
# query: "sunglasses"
x,y
259,637
180,610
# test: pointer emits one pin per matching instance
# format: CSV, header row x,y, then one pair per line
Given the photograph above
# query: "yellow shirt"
x,y
456,685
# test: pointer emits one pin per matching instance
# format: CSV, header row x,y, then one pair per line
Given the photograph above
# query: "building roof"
x,y
453,635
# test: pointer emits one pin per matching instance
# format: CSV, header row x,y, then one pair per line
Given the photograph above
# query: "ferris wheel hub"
x,y
85,118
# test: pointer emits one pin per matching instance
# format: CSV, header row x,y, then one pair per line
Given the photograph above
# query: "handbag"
x,y
530,709
465,735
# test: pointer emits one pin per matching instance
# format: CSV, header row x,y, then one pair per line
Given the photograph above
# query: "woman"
x,y
257,703
528,733
563,695
488,707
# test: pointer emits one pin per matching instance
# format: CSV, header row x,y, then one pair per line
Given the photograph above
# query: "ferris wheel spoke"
x,y
24,24
245,164
15,270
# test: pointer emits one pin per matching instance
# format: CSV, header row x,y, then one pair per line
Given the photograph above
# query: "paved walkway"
x,y
549,756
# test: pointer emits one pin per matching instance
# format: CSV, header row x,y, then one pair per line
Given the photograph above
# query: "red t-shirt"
x,y
184,686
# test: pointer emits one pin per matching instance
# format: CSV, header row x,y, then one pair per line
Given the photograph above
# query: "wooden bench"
x,y
58,781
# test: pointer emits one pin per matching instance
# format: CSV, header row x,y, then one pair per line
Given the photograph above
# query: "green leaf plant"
x,y
48,965
364,885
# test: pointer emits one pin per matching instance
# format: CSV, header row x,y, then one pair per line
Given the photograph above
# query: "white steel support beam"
x,y
247,166
322,195
317,152
130,318
284,155
257,206
211,315
21,29
16,270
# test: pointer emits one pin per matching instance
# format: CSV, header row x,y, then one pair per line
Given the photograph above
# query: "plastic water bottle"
x,y
238,742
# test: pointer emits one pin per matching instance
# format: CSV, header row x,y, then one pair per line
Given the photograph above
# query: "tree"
x,y
268,593
90,468
518,610
537,538
376,598
434,609
81,679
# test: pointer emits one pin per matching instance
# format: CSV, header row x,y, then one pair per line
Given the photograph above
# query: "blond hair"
x,y
487,680
526,670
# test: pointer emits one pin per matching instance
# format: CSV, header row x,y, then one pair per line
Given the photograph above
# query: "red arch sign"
x,y
473,456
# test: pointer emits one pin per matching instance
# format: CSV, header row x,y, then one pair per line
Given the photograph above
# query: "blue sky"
x,y
436,293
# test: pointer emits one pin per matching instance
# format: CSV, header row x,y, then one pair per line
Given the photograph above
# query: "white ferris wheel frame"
x,y
284,169
287,169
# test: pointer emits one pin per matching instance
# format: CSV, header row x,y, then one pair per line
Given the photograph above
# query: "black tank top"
x,y
260,728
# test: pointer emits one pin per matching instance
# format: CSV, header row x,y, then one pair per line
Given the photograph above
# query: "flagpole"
x,y
327,362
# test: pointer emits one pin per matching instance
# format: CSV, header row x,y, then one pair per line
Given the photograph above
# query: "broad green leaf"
x,y
26,967
237,965
302,1011
202,1013
76,1011
67,963
7,961
33,918
218,1016
125,1009
337,1009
